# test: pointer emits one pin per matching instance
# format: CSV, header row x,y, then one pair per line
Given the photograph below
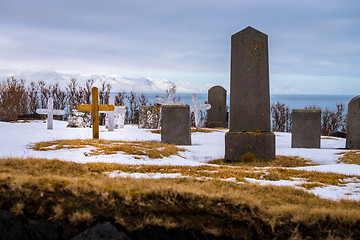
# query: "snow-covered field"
x,y
15,138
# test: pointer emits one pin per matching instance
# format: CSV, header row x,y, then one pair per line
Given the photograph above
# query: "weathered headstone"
x,y
196,108
305,128
170,100
78,119
249,135
50,112
149,117
110,115
176,125
120,118
95,108
353,124
217,114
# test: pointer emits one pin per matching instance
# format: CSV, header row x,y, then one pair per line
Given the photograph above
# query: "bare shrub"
x,y
281,117
143,101
59,97
119,98
88,90
44,94
332,121
104,95
71,90
33,96
133,106
13,98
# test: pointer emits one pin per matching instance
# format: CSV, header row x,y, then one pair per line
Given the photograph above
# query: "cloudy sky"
x,y
314,46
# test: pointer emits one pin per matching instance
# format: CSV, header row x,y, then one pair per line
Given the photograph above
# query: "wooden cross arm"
x,y
106,107
89,107
84,107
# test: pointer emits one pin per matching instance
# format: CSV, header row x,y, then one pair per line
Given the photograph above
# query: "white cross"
x,y
50,112
196,108
111,114
170,100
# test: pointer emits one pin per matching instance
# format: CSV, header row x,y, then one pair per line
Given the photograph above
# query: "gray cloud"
x,y
305,37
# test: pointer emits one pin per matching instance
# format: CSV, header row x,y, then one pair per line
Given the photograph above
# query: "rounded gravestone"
x,y
217,114
353,124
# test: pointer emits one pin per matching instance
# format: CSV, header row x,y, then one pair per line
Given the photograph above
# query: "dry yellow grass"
x,y
280,161
80,194
105,147
311,185
20,121
310,176
81,217
350,157
202,172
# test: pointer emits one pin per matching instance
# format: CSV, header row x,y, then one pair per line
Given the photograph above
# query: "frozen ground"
x,y
15,137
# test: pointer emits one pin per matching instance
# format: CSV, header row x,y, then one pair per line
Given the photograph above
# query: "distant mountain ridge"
x,y
118,83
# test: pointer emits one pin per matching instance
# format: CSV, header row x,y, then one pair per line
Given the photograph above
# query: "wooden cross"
x,y
50,112
196,108
95,108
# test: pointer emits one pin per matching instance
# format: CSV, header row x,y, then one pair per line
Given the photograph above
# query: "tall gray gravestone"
x,y
217,114
249,135
176,125
149,117
353,124
306,128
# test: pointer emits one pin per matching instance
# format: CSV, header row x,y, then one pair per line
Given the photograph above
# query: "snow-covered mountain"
x,y
118,83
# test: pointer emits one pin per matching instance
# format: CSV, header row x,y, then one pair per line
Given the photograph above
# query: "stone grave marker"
x,y
217,114
249,136
306,128
78,119
170,100
120,118
50,112
110,115
176,125
353,124
95,108
149,117
196,108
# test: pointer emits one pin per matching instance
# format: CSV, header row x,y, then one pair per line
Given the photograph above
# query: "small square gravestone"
x,y
217,114
353,124
149,117
176,125
306,128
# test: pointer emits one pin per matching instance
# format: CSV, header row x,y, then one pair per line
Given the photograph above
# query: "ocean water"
x,y
293,101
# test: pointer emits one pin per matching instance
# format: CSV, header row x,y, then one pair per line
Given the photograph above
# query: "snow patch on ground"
x,y
16,137
145,175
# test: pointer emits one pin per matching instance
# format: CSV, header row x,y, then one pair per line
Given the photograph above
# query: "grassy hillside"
x,y
82,195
